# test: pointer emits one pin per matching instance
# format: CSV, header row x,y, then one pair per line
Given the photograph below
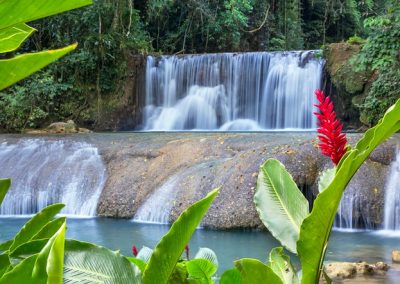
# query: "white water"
x,y
247,91
392,198
156,209
46,172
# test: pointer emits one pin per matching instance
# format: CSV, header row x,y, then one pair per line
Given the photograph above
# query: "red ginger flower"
x,y
332,141
134,250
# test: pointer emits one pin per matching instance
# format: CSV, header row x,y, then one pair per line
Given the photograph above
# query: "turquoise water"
x,y
229,245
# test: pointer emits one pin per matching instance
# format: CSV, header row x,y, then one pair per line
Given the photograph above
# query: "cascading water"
x,y
46,172
247,91
392,197
157,207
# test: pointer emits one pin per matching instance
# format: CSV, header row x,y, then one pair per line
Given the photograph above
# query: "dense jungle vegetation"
x,y
81,85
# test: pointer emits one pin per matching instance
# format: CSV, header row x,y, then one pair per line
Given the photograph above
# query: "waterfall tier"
x,y
246,91
46,172
392,197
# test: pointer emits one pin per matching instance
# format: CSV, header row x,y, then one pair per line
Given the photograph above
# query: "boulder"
x,y
63,127
345,270
396,256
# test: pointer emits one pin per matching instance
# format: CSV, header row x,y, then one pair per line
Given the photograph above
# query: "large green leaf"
x,y
282,266
35,225
231,276
316,228
12,37
201,270
14,69
88,263
4,186
49,263
21,273
170,248
254,271
280,204
22,11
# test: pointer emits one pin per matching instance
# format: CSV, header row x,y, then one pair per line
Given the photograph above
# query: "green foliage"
x,y
4,186
282,266
201,270
36,101
356,40
383,93
169,249
86,263
254,271
316,228
381,54
231,276
277,195
381,49
35,225
197,26
13,32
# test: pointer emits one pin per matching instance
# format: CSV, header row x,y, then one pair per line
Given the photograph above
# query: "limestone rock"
x,y
345,270
396,256
341,270
63,127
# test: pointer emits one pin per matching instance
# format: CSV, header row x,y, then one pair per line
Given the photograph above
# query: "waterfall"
x,y
44,172
157,207
392,197
228,91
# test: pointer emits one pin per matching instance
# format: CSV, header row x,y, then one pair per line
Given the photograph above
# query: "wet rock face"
x,y
139,164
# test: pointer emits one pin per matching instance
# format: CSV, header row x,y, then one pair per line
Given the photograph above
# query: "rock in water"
x,y
396,256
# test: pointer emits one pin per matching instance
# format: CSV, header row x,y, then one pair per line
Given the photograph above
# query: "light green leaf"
x,y
209,254
254,271
26,250
231,276
35,225
139,263
50,229
316,228
22,11
169,249
48,267
201,270
280,204
4,186
14,69
326,178
12,37
282,266
21,273
88,263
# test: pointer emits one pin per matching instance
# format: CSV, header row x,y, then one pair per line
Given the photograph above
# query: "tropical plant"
x,y
39,253
276,189
14,31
